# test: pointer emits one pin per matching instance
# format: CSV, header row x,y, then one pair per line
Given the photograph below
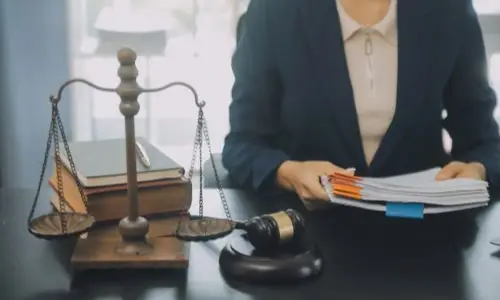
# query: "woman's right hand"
x,y
303,179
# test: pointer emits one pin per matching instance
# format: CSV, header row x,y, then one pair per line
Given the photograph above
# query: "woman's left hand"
x,y
456,169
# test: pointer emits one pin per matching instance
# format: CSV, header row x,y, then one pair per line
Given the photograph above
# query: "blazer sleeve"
x,y
470,102
248,153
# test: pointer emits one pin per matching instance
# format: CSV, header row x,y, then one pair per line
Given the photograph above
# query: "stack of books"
x,y
410,195
101,169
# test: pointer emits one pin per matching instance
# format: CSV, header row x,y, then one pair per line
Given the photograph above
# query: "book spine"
x,y
113,206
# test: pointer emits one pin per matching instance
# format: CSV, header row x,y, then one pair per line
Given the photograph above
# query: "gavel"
x,y
273,249
271,231
264,232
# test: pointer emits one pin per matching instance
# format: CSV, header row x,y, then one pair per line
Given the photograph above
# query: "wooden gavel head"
x,y
273,230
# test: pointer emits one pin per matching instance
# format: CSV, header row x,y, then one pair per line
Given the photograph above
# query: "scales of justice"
x,y
134,249
270,250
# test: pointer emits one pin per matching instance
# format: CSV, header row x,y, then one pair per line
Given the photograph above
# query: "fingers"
x,y
313,190
317,192
303,194
314,197
309,188
329,168
451,170
467,173
473,171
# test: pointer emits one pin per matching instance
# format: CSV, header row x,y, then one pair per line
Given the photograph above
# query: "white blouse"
x,y
372,59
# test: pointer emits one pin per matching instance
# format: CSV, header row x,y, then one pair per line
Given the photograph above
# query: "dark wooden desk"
x,y
367,255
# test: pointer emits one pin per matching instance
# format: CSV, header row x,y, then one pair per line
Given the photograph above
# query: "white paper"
x,y
419,187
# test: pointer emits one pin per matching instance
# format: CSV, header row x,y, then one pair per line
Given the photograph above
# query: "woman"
x,y
322,86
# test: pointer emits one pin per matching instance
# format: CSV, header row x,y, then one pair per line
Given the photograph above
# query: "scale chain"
x,y
193,158
53,137
200,137
70,159
216,174
60,188
200,157
44,167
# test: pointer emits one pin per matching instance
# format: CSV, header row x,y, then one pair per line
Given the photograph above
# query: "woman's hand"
x,y
303,179
455,169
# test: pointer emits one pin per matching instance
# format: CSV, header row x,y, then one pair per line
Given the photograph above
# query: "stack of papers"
x,y
410,195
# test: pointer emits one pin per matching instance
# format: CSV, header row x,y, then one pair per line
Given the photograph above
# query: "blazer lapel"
x,y
416,28
323,32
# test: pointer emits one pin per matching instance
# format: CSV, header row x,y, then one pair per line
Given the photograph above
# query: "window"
x,y
176,40
487,6
489,16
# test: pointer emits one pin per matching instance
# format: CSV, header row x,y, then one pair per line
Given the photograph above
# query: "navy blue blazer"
x,y
292,96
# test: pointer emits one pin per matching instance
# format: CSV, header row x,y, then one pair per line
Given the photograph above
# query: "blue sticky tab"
x,y
405,210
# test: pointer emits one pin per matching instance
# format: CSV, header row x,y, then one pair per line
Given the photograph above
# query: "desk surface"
x,y
367,256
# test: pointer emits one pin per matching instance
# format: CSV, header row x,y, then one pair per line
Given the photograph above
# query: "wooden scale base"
x,y
97,249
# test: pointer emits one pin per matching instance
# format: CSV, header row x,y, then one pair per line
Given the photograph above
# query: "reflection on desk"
x,y
367,256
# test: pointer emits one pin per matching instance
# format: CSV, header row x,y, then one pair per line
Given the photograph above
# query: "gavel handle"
x,y
239,225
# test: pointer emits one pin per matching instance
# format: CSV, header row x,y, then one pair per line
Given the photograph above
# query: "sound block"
x,y
240,260
98,249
